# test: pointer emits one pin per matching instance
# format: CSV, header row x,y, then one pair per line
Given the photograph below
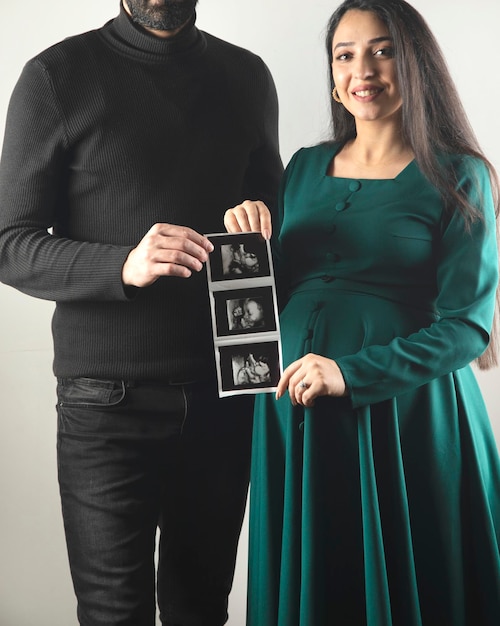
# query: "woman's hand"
x,y
250,216
310,377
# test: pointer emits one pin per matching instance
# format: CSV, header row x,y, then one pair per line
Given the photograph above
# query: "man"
x,y
122,147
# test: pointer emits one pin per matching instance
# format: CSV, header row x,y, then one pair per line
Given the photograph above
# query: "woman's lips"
x,y
366,93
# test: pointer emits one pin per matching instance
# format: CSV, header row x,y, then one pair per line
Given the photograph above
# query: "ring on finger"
x,y
303,384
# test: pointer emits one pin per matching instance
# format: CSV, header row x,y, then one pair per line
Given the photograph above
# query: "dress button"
x,y
341,206
354,185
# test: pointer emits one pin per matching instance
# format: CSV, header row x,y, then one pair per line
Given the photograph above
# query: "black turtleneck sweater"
x,y
107,133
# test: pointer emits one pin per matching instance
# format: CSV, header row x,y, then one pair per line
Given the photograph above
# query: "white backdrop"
x,y
35,587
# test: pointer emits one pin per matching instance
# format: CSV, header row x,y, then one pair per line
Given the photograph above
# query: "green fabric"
x,y
382,508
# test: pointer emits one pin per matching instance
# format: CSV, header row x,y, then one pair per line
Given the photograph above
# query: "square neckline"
x,y
361,179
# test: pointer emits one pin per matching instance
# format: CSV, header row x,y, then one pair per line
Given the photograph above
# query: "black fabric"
x,y
107,133
134,457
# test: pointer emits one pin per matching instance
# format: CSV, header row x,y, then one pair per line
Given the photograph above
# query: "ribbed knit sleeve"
x,y
34,164
261,179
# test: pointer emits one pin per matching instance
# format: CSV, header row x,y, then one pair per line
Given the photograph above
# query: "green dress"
x,y
382,508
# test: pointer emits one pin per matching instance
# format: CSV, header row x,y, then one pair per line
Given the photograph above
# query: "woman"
x,y
376,479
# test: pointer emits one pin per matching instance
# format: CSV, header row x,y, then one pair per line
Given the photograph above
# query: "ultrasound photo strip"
x,y
239,257
244,312
248,367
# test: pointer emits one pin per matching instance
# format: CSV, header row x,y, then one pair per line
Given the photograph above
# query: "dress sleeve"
x,y
467,278
34,169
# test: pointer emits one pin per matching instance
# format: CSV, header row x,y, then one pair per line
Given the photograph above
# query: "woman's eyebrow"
x,y
371,41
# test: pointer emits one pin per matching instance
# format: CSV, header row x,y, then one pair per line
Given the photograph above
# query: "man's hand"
x,y
165,250
250,216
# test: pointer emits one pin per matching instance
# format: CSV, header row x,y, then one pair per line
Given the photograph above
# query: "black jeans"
x,y
134,457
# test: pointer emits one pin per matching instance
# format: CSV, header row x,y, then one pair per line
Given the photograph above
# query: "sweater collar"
x,y
133,40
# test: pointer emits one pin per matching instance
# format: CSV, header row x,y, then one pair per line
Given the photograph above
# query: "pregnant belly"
x,y
336,322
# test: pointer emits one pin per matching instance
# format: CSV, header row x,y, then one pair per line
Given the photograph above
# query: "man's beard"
x,y
166,15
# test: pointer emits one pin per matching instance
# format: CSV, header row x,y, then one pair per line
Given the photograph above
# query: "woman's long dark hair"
x,y
433,118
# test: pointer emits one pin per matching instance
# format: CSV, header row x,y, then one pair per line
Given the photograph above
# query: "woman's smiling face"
x,y
363,67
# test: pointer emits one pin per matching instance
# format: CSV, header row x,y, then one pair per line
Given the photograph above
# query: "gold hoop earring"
x,y
335,95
